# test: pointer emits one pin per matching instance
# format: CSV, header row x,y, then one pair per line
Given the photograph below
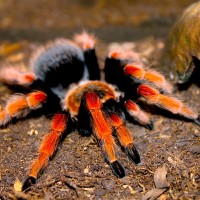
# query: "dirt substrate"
x,y
78,169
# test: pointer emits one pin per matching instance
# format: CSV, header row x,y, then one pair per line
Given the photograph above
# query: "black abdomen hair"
x,y
59,64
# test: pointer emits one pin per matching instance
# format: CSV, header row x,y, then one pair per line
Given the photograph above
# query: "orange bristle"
x,y
4,117
38,165
16,105
123,134
116,120
36,98
187,112
135,71
100,124
154,77
85,40
148,75
47,149
176,107
28,78
131,106
21,105
13,75
49,144
135,111
170,103
115,55
151,94
101,127
59,122
167,102
159,80
92,101
108,144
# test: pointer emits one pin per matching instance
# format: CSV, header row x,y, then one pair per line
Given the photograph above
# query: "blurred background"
x,y
113,20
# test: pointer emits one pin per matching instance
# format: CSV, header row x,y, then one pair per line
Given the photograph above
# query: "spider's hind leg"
x,y
12,75
118,120
87,44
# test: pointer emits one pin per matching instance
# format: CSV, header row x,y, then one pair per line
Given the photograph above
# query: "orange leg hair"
x,y
169,103
20,105
47,148
152,76
103,131
138,114
13,76
125,137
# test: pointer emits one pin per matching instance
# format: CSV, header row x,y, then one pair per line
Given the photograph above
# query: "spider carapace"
x,y
70,72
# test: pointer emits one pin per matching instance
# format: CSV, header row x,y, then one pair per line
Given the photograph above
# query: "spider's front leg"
x,y
106,119
20,105
103,131
118,121
47,148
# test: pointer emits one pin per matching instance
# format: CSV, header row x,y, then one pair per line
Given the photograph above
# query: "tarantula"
x,y
67,75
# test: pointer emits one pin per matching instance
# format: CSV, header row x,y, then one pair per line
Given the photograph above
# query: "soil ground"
x,y
78,169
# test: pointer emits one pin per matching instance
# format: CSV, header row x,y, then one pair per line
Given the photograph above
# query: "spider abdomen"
x,y
59,64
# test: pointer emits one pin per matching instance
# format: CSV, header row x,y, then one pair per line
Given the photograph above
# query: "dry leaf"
x,y
160,179
153,194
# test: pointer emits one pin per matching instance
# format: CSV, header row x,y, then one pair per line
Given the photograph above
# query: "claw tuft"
x,y
150,126
197,120
132,153
28,182
118,169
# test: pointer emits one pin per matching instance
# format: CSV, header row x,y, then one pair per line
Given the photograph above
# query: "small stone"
x,y
100,192
108,184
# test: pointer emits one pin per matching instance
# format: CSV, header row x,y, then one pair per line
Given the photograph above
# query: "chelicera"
x,y
67,74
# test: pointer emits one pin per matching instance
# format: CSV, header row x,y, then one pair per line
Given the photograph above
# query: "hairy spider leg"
x,y
13,76
114,69
169,103
138,114
21,105
118,121
47,148
103,131
139,73
87,44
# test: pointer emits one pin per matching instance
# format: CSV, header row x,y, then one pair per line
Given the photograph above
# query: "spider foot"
x,y
150,126
118,169
28,182
197,120
132,153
